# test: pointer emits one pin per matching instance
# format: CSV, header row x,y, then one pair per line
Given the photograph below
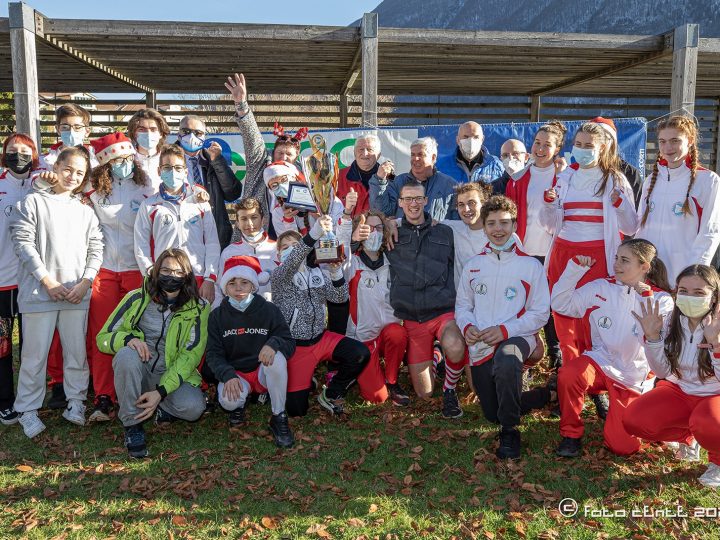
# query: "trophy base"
x,y
329,254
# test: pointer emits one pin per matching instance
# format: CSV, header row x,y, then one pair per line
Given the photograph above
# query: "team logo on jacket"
x,y
605,322
193,220
8,210
104,202
369,283
510,293
316,281
481,289
134,206
677,209
166,220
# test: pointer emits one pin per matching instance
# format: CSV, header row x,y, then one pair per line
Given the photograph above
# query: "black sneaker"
x,y
9,416
210,404
57,397
398,396
102,412
163,418
602,404
281,430
569,447
451,405
509,443
237,417
135,441
335,406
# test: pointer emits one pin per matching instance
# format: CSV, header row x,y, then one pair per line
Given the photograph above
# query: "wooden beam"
x,y
343,110
369,36
24,70
535,108
714,166
353,73
151,100
684,74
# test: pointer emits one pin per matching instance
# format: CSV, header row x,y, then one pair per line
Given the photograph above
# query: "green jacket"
x,y
185,339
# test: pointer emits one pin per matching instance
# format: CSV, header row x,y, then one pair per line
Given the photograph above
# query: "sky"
x,y
316,12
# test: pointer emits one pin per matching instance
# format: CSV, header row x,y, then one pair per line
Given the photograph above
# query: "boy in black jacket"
x,y
249,343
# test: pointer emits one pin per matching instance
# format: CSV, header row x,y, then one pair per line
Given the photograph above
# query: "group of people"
x,y
122,266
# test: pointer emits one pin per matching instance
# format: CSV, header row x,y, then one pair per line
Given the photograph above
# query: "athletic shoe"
x,y
102,412
31,424
237,417
602,404
685,452
163,418
210,405
509,443
335,406
398,396
135,441
569,447
711,477
8,417
451,405
281,430
57,397
75,412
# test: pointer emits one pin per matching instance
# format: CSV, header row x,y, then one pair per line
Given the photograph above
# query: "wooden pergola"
x,y
68,55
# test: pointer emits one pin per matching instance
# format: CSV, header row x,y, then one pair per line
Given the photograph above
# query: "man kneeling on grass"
x,y
249,343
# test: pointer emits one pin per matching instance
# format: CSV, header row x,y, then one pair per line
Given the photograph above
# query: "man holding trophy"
x,y
301,289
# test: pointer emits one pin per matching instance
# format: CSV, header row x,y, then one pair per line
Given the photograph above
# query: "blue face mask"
x,y
191,143
281,190
173,179
148,139
124,170
507,245
72,138
284,254
585,156
241,305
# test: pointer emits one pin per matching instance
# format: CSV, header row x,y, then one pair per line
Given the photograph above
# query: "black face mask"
x,y
18,163
170,284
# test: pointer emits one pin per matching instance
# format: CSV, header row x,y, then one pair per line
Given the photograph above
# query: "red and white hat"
x,y
280,168
607,124
245,267
112,146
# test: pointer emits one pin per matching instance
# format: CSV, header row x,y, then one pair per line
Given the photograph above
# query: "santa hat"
x,y
279,168
112,146
245,267
607,124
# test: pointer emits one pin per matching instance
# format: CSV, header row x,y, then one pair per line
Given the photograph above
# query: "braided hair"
x,y
687,127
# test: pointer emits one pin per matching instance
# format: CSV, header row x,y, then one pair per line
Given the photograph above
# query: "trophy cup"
x,y
321,172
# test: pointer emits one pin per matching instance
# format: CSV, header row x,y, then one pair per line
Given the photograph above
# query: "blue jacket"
x,y
439,189
484,168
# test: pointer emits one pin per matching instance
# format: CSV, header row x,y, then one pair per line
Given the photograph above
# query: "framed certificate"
x,y
299,196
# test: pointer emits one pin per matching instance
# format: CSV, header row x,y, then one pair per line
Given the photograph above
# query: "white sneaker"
x,y
711,477
31,424
75,412
685,452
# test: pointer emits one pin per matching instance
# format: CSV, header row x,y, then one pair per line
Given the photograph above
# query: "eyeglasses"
x,y
470,204
165,271
121,160
197,132
516,155
74,127
416,200
176,168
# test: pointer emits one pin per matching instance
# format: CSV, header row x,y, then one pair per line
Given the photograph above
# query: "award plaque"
x,y
300,197
321,172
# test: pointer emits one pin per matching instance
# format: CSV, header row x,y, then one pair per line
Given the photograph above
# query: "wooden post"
x,y
344,110
369,36
24,70
150,100
717,136
535,108
684,73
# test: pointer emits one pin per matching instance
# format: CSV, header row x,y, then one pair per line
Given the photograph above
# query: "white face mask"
x,y
513,165
254,238
470,147
693,307
374,241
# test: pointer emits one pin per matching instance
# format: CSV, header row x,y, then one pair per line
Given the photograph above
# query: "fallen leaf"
x,y
373,508
180,521
268,523
24,468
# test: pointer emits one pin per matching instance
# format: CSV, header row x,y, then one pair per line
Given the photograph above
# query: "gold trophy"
x,y
321,172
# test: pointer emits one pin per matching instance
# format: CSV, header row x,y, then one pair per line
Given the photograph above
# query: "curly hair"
x,y
498,203
148,114
101,178
687,127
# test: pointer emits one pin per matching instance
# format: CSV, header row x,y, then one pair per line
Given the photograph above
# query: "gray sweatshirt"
x,y
56,236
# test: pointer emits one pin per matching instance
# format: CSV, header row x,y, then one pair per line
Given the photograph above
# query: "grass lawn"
x,y
384,473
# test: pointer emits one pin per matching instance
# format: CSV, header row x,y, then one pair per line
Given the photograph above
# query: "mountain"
x,y
637,17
